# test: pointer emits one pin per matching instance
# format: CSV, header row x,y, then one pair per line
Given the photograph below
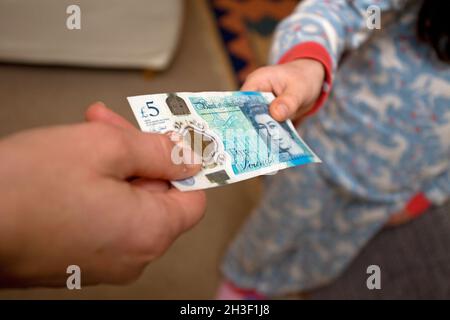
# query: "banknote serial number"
x,y
259,310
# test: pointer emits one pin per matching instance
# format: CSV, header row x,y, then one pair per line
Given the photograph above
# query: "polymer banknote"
x,y
231,134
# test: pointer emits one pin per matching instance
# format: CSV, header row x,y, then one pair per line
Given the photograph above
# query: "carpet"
x,y
246,28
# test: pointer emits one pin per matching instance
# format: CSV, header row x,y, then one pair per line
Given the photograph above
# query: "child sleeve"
x,y
436,192
323,30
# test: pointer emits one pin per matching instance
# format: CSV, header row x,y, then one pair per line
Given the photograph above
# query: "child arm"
x,y
324,30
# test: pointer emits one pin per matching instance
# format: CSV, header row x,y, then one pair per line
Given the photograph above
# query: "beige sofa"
x,y
114,33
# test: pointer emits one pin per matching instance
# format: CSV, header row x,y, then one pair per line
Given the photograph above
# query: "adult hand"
x,y
93,195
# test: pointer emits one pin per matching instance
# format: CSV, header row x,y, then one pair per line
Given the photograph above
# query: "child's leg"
x,y
303,234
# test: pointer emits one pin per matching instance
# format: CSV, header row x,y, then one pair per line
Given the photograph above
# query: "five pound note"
x,y
231,134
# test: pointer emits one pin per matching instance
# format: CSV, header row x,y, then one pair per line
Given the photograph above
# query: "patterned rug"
x,y
246,28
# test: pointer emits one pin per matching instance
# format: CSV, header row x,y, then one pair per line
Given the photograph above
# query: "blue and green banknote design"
x,y
232,134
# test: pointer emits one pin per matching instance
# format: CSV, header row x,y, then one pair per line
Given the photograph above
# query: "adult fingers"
x,y
151,185
146,155
152,156
164,216
99,112
185,209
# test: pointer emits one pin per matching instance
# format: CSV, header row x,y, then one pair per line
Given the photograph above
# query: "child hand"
x,y
296,84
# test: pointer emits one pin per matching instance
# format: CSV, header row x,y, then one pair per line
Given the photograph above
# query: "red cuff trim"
x,y
315,51
247,293
417,205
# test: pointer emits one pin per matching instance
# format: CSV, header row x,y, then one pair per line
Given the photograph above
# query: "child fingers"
x,y
258,80
285,106
291,103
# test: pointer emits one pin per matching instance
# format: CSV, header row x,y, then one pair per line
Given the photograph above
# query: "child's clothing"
x,y
383,136
227,291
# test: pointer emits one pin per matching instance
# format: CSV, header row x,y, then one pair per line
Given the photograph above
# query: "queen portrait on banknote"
x,y
278,136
